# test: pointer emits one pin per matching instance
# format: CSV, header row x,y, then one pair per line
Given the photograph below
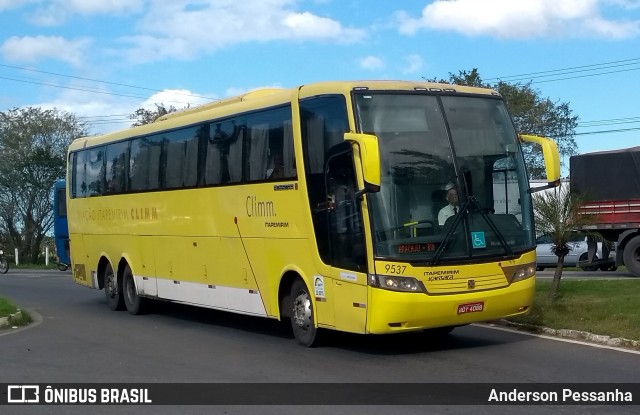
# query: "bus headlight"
x,y
395,283
523,272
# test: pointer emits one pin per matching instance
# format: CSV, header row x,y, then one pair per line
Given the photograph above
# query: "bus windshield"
x,y
453,182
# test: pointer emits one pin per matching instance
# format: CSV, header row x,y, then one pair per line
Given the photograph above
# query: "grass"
x,y
52,265
606,307
7,309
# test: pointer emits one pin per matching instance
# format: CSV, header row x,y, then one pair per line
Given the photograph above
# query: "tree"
x,y
556,214
33,148
144,116
531,114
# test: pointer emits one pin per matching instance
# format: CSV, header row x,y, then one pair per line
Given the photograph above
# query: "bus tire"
x,y
631,256
134,303
62,267
113,289
302,321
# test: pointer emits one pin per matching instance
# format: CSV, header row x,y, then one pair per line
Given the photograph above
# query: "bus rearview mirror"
x,y
551,157
369,158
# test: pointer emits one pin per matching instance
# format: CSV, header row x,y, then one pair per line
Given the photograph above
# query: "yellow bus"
x,y
318,204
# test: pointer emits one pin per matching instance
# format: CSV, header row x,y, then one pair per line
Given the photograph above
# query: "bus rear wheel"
x,y
302,321
134,303
113,289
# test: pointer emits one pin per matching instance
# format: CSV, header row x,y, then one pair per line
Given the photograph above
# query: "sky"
x,y
103,59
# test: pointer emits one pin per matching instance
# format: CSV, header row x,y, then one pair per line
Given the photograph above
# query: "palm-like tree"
x,y
556,214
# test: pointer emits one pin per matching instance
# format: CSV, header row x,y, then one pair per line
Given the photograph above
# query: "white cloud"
x,y
102,113
13,4
307,25
178,98
371,63
100,7
627,4
105,112
32,49
521,19
58,12
176,29
414,64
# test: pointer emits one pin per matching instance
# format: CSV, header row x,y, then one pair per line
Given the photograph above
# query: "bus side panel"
x,y
271,258
209,272
350,306
81,267
171,267
143,266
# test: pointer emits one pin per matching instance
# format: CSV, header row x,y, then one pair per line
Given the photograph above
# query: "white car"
x,y
576,257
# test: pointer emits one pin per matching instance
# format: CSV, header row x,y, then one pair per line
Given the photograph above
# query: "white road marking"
x,y
560,339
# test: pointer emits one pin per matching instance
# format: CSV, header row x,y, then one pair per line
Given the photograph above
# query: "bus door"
x,y
347,251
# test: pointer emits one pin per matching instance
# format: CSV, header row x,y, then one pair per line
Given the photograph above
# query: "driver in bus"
x,y
452,208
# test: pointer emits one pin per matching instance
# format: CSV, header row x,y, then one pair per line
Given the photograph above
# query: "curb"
x,y
7,321
574,334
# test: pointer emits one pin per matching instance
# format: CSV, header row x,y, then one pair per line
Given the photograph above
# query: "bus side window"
x,y
116,154
224,152
78,177
95,171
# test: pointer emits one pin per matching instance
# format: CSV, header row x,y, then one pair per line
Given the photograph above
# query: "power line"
x,y
101,81
96,91
537,76
572,69
613,121
103,116
586,76
533,76
621,130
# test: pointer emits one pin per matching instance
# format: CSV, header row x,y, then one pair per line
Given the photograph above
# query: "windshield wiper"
x,y
473,202
447,237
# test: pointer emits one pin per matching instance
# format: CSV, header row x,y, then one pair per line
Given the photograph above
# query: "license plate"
x,y
470,307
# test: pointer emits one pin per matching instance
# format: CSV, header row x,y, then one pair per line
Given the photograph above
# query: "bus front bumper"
x,y
391,311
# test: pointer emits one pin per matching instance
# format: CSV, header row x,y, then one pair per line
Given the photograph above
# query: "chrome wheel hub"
x,y
302,310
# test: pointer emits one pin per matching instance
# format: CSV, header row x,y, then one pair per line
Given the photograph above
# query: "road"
x,y
77,339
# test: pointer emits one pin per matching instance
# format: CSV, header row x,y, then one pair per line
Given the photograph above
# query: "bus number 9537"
x,y
395,269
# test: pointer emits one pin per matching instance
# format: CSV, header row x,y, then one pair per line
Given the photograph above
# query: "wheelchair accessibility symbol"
x,y
478,240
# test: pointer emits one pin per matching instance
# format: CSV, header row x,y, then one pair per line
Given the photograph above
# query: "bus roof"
x,y
268,97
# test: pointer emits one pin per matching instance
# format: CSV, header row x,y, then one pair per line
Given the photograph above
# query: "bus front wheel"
x,y
134,303
302,322
113,289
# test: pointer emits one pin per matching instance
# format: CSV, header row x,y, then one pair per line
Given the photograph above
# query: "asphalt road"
x,y
76,338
